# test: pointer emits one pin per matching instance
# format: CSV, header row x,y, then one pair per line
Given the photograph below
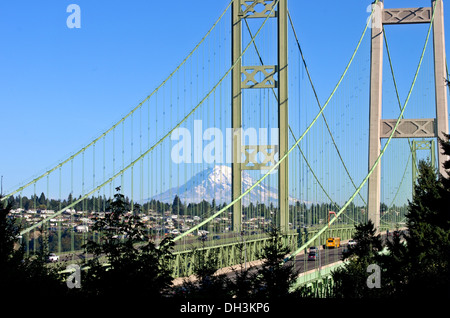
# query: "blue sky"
x,y
61,87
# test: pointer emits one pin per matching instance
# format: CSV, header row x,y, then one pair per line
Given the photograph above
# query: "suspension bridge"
x,y
236,140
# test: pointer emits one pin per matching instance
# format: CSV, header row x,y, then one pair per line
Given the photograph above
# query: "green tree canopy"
x,y
134,265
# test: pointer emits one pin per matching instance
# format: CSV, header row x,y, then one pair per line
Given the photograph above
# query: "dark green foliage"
x,y
369,244
445,145
351,279
274,277
416,265
8,233
177,206
242,284
134,266
205,283
395,266
429,232
21,274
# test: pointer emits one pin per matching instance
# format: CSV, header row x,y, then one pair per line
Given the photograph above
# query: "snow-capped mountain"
x,y
215,183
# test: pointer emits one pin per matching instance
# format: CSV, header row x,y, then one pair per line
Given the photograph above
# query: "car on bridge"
x,y
312,256
351,243
52,257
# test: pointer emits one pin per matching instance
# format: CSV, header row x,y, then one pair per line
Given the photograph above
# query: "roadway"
x,y
325,257
301,265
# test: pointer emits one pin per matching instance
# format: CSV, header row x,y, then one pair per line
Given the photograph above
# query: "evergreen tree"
x,y
42,201
205,283
428,242
416,265
241,284
395,267
274,278
445,179
135,266
23,275
350,281
368,243
177,206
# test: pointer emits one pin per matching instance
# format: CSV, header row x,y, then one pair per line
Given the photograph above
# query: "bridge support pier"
x,y
236,114
283,178
246,10
440,74
407,128
376,80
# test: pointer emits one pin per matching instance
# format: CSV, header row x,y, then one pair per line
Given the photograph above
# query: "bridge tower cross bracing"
x,y
407,128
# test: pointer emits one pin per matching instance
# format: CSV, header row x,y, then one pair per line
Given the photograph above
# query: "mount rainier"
x,y
215,183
